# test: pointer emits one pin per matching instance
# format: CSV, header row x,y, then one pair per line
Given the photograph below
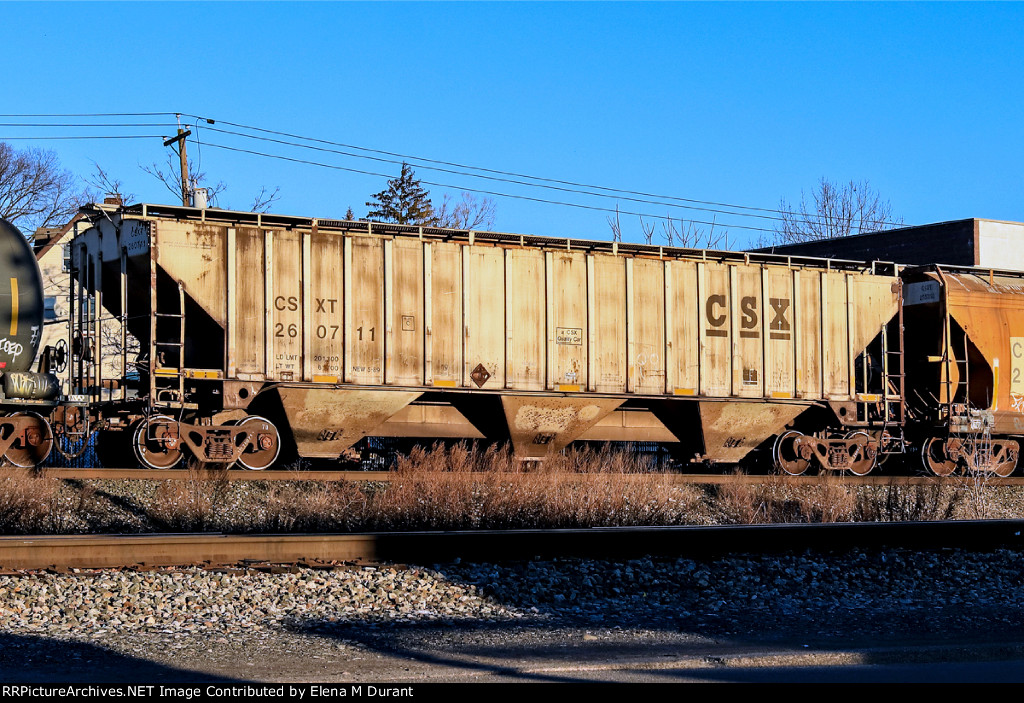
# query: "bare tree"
x,y
648,231
835,211
676,233
263,199
616,224
170,175
35,191
688,235
100,184
467,213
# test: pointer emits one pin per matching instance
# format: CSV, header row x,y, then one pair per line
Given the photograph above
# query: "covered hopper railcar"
x,y
260,336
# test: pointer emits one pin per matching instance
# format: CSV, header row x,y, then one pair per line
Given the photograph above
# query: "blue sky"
x,y
732,103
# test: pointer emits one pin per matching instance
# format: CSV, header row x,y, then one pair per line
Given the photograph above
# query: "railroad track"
x,y
386,476
156,550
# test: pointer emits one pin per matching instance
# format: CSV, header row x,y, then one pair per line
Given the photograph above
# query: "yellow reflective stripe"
x,y
14,307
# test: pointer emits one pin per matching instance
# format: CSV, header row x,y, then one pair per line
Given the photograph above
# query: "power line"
x,y
406,157
499,175
495,178
476,190
89,136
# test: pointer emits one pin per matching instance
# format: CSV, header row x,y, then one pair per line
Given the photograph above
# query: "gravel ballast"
x,y
876,594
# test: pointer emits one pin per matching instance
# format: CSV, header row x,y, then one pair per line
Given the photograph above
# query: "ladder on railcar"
x,y
167,378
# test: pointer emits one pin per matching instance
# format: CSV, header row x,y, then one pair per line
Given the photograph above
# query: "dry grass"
x,y
191,505
28,504
462,487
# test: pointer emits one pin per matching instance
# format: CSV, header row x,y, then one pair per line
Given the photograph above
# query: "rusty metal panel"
x,y
543,425
873,303
484,322
525,319
327,421
715,331
250,304
609,323
326,307
428,421
287,302
405,328
732,430
990,309
683,346
364,306
569,320
748,350
778,333
195,255
835,336
647,355
807,314
445,326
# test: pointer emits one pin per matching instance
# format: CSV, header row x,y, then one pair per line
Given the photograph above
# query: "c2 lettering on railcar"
x,y
1017,366
569,335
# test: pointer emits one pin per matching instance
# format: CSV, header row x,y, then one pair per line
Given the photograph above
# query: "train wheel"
x,y
862,456
933,454
157,444
34,443
787,455
264,443
1005,468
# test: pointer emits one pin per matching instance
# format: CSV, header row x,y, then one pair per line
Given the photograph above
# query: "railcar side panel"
x,y
249,332
610,323
748,352
286,300
483,270
683,346
326,308
525,320
568,329
835,333
777,332
364,310
808,347
647,348
444,326
716,332
405,321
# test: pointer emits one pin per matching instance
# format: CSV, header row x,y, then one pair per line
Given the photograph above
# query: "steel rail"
x,y
134,551
387,476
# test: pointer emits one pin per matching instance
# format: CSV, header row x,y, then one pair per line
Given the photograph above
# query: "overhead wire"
x,y
478,190
423,163
425,160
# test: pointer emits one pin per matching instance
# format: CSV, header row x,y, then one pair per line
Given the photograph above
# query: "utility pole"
x,y
182,133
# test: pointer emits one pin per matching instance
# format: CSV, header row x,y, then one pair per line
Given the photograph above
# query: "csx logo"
x,y
716,312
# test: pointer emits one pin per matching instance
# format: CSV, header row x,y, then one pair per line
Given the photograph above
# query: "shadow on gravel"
x,y
626,613
42,660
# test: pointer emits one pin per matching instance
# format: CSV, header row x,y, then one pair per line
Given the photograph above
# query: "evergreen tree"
x,y
349,215
404,201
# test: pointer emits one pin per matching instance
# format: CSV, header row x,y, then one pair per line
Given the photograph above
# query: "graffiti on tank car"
x,y
328,435
9,346
1017,402
35,335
